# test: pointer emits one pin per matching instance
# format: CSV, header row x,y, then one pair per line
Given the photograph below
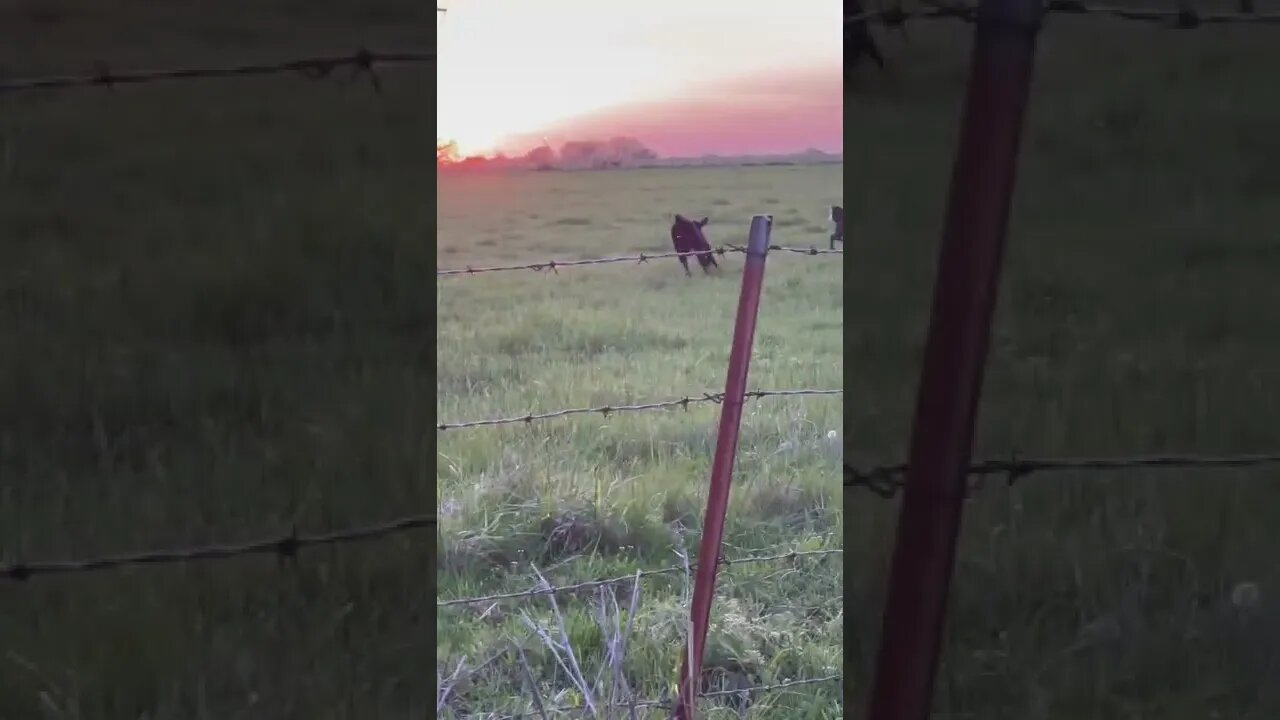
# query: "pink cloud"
x,y
781,112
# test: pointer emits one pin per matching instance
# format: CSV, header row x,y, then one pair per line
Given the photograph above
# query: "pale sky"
x,y
509,70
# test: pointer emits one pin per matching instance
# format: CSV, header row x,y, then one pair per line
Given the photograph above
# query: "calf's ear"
x,y
702,222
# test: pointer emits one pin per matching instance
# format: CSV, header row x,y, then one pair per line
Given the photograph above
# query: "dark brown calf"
x,y
837,217
687,237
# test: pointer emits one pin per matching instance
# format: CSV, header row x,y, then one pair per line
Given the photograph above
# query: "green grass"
x,y
1136,316
588,497
214,323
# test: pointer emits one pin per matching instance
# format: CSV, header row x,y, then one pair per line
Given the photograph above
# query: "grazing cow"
x,y
858,40
837,217
687,237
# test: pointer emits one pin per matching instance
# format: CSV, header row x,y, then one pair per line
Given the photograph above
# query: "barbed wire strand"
x,y
635,576
887,480
666,702
1183,18
361,62
606,410
554,265
286,546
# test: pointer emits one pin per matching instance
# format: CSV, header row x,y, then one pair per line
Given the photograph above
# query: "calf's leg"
x,y
685,262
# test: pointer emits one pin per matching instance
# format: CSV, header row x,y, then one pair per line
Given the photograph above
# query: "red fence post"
x,y
735,388
964,299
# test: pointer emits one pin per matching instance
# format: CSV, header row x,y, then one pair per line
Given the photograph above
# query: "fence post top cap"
x,y
758,239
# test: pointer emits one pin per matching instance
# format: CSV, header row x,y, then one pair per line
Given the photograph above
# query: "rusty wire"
x,y
666,702
285,546
633,577
361,62
1183,18
606,410
887,481
555,265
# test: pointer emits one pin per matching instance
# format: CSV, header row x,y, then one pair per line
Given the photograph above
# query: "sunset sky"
x,y
686,77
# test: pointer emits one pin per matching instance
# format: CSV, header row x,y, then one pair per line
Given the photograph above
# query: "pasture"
x,y
593,496
1136,317
214,324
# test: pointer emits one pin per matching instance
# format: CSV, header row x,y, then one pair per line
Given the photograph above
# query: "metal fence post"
x,y
735,388
955,355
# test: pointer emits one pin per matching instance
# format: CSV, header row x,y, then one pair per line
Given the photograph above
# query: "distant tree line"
x,y
617,152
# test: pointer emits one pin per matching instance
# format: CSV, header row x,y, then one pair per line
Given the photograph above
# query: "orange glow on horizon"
x,y
514,69
474,143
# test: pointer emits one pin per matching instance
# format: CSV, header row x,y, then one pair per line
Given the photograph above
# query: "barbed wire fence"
x,y
552,266
940,477
362,62
544,589
640,259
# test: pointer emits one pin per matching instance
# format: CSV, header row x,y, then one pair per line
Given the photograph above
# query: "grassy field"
x,y
214,323
1136,317
588,496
